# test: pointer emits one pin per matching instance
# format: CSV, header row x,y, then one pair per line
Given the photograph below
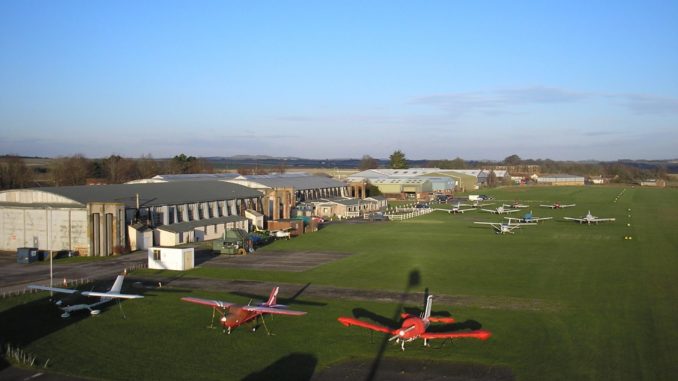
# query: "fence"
x,y
404,213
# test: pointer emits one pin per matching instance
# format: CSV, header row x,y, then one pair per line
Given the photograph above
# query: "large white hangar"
x,y
93,220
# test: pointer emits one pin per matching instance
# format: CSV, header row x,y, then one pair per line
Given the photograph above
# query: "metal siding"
x,y
79,240
12,229
35,228
59,230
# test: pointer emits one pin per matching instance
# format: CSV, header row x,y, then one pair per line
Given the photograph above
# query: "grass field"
x,y
564,301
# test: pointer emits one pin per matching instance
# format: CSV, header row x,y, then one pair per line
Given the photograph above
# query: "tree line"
x,y
616,171
78,170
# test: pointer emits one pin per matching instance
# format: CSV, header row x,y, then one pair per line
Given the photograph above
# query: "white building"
x,y
93,220
171,258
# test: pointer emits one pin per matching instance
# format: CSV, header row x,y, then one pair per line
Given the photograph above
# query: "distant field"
x,y
605,306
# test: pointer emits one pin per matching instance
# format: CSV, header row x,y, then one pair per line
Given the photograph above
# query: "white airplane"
x,y
500,210
478,204
104,297
558,205
515,204
589,218
457,208
528,218
283,233
502,228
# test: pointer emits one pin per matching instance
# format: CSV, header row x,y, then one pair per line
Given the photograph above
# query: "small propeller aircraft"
x,y
282,233
516,205
588,218
105,297
414,327
478,204
234,315
457,208
558,205
501,228
500,210
528,218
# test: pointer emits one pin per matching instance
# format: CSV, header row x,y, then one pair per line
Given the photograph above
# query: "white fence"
x,y
405,213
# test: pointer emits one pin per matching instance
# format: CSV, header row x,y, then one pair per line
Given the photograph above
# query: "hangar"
x,y
93,220
561,179
282,192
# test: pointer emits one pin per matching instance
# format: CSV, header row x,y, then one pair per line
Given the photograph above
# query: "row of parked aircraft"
x,y
233,315
528,218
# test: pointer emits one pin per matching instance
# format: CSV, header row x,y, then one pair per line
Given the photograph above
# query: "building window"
x,y
156,255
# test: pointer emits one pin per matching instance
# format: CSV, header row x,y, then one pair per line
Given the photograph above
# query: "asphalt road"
x,y
15,276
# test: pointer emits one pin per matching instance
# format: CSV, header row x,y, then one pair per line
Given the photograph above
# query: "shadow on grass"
x,y
413,280
295,366
25,323
470,325
287,301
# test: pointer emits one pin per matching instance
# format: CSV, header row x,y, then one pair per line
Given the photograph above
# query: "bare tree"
x,y
14,173
120,170
148,166
368,162
70,170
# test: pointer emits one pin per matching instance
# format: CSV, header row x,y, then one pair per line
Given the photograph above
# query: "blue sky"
x,y
477,79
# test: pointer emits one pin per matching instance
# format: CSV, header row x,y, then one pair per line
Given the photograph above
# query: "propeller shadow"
x,y
413,280
383,320
295,366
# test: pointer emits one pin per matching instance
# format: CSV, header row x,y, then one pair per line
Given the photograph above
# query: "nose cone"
x,y
229,322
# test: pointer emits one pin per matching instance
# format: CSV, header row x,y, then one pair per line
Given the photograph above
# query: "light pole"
x,y
51,272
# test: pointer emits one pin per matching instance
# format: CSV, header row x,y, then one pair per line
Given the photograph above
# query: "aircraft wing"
x,y
536,219
513,219
568,205
602,219
359,323
208,302
54,289
115,295
486,223
478,334
575,219
275,311
548,206
489,210
440,319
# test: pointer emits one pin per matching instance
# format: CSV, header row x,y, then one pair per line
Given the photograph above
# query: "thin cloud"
x,y
503,101
496,102
649,104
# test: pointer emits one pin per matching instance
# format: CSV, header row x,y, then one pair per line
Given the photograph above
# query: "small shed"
x,y
256,218
140,236
171,258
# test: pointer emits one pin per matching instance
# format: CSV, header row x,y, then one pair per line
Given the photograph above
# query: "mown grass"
x,y
609,304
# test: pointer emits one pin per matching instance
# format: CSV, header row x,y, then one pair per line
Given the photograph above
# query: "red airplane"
x,y
234,315
414,327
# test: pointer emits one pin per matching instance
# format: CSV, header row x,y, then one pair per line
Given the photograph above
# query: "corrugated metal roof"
x,y
190,225
296,181
196,176
171,193
343,201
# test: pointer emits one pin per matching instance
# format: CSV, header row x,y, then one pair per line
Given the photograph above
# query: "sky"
x,y
565,80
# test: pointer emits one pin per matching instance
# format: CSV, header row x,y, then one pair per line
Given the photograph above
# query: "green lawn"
x,y
563,300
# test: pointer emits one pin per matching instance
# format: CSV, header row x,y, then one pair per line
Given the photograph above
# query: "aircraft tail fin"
x,y
427,311
117,286
272,299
